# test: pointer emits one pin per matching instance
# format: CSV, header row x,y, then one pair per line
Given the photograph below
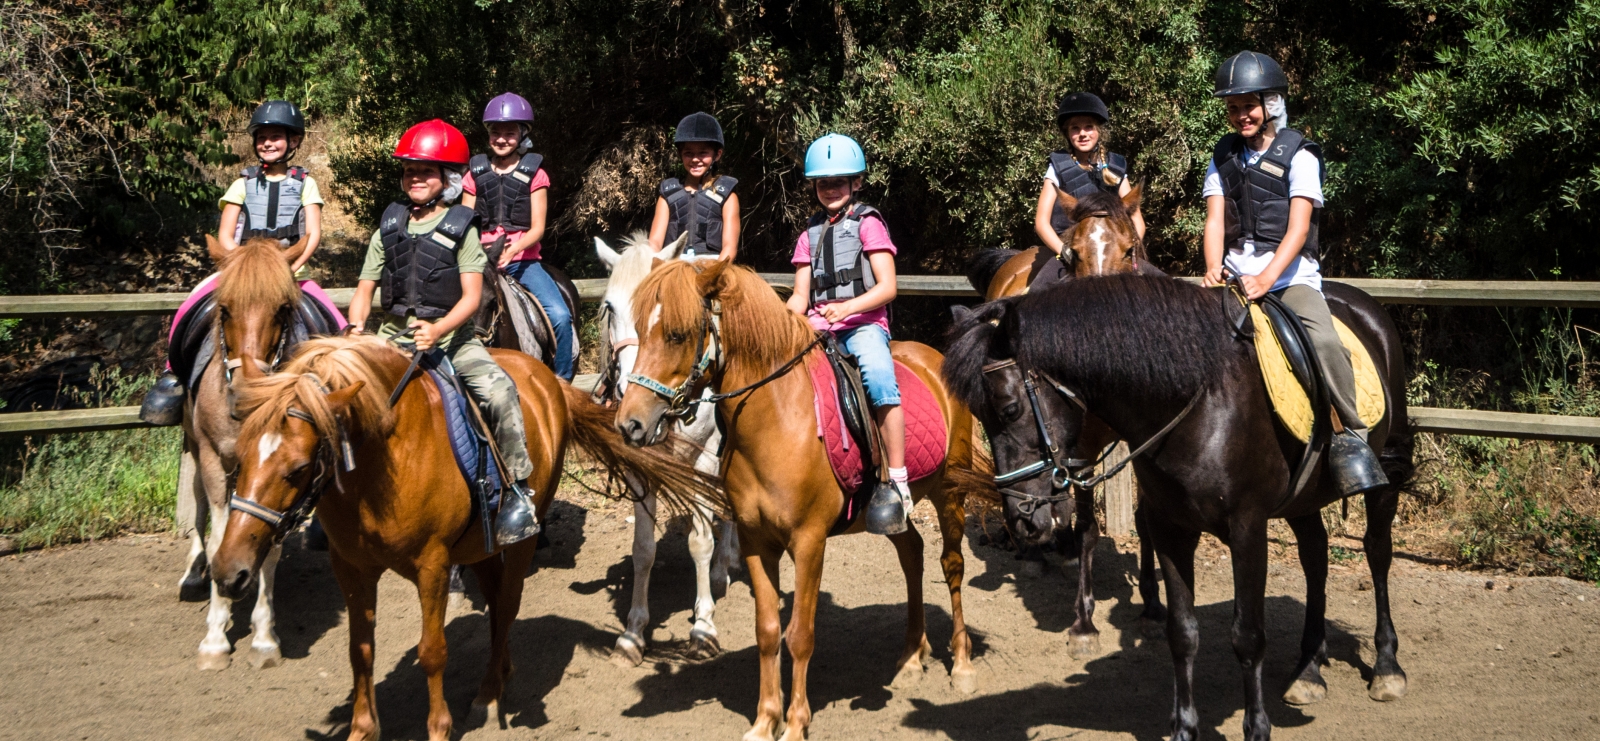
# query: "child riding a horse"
x,y
269,199
843,281
1085,168
703,205
430,260
1263,194
509,192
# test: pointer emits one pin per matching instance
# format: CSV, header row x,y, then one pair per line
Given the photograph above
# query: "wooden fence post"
x,y
1119,496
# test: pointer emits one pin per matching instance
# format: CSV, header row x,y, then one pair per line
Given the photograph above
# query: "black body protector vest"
x,y
420,274
504,200
271,208
1257,195
1078,182
699,213
839,266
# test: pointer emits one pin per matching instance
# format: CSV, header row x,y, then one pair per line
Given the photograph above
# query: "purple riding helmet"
x,y
511,108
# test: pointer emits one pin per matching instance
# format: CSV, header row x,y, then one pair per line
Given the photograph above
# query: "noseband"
x,y
609,382
324,471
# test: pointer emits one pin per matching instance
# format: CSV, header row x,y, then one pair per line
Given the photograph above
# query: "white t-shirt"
x,y
1050,175
1305,181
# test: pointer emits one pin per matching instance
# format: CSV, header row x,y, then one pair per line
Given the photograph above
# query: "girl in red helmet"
x,y
424,229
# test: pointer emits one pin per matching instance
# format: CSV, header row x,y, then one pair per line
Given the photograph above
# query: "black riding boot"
x,y
516,521
163,403
887,512
1354,466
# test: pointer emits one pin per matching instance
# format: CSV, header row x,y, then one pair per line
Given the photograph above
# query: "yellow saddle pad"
x,y
1290,400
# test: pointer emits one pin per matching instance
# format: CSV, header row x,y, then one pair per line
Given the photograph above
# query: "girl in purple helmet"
x,y
508,189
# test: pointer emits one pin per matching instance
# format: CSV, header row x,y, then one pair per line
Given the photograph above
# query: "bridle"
x,y
229,365
609,382
1051,461
324,471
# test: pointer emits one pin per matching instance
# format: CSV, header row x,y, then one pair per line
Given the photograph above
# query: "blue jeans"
x,y
870,346
532,276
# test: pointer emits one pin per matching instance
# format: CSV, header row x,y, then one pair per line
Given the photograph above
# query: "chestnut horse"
x,y
1102,241
255,291
386,487
719,325
1162,367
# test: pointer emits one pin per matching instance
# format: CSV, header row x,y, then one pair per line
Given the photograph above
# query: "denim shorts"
x,y
869,343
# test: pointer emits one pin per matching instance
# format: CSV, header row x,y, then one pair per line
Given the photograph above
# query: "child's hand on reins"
x,y
424,336
835,312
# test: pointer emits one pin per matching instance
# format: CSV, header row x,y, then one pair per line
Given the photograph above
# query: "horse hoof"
x,y
1305,692
964,680
1387,688
264,658
703,645
629,652
213,662
789,734
1086,646
1031,569
479,715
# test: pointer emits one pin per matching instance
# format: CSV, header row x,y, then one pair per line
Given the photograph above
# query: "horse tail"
x,y
974,482
672,478
983,266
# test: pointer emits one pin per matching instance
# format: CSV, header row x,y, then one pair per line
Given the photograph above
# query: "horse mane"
x,y
984,264
973,341
256,274
637,258
756,325
1128,335
320,366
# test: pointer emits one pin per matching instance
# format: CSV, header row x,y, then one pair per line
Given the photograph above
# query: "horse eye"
x,y
677,338
295,472
1011,412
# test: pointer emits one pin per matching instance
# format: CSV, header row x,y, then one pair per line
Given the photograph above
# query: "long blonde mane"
x,y
634,267
756,326
318,367
256,273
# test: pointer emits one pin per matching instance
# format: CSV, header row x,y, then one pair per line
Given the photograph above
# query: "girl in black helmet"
x,y
703,205
1084,168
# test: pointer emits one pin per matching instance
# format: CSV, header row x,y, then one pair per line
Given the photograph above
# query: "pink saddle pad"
x,y
927,439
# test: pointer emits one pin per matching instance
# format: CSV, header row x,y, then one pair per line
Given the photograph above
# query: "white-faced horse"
x,y
712,555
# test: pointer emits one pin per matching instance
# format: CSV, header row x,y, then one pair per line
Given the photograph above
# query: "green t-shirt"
x,y
470,258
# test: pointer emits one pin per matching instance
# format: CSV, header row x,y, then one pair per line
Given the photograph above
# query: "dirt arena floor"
x,y
96,645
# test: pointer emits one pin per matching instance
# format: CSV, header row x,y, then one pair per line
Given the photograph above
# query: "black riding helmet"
x,y
1249,72
277,113
1082,104
699,127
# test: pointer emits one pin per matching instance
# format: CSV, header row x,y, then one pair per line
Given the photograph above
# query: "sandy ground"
x,y
96,645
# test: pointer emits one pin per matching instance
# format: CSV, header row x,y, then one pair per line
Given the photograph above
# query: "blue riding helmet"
x,y
835,155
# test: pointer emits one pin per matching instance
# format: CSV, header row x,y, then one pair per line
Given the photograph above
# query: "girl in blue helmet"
x,y
509,190
844,279
703,204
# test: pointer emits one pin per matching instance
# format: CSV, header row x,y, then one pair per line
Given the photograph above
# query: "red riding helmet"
x,y
433,141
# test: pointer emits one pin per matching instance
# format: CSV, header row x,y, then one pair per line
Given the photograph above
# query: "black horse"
x,y
1156,359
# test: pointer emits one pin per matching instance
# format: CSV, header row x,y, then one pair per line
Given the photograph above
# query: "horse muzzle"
x,y
232,582
1032,520
646,429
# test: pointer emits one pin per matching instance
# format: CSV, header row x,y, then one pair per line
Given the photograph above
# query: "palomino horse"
x,y
385,485
712,555
255,291
719,325
1161,367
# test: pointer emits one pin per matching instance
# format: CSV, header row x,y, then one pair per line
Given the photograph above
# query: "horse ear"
x,y
960,314
294,251
217,251
340,401
656,262
607,255
710,277
1131,200
672,251
1065,200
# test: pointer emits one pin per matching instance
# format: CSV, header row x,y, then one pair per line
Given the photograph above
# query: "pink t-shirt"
x,y
874,238
540,180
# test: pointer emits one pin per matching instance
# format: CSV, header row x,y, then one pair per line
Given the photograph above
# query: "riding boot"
x,y
890,505
516,521
163,403
1354,466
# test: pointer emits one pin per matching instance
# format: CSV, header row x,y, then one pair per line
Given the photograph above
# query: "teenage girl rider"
x,y
1263,194
425,229
509,192
851,302
270,199
702,204
1086,167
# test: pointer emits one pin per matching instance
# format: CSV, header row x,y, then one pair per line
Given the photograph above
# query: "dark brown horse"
x,y
726,322
386,487
1161,367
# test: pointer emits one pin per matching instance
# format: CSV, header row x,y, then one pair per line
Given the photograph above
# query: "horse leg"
x,y
1083,639
1312,539
433,589
703,636
361,604
908,546
1149,591
727,555
1247,542
630,645
762,563
801,636
264,651
215,649
193,513
1388,679
952,528
502,593
1175,548
458,590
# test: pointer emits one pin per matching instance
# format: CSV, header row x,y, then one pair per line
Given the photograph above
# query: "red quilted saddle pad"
x,y
927,439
